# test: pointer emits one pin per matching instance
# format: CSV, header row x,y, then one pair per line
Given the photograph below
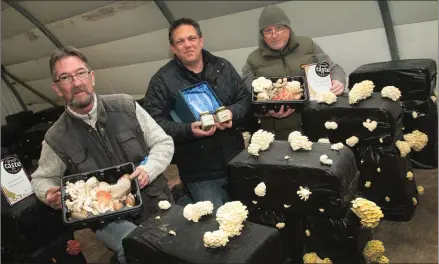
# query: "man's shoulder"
x,y
302,40
166,69
57,130
118,102
256,53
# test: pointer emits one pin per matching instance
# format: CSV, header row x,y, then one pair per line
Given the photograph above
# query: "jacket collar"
x,y
101,114
208,59
267,52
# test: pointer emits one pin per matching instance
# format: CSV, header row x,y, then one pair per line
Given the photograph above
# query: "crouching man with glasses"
x,y
96,132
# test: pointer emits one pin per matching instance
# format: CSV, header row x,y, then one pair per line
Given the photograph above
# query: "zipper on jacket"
x,y
287,70
107,151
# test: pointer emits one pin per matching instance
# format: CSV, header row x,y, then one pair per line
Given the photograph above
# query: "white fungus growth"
x,y
352,141
231,216
260,140
193,212
361,91
164,205
326,97
324,141
331,125
299,141
215,239
304,193
260,189
260,84
391,92
280,225
325,160
371,125
337,146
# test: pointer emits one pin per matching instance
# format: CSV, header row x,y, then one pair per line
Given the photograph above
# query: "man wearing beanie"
x,y
281,54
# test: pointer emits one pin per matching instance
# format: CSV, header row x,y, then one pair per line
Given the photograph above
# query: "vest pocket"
x,y
131,146
82,162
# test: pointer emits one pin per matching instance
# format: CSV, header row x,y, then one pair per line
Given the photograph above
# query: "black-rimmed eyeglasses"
x,y
82,75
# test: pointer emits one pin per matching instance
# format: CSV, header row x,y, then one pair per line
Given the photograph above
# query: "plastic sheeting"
x,y
27,226
152,243
426,122
291,235
416,78
342,240
332,186
349,118
390,181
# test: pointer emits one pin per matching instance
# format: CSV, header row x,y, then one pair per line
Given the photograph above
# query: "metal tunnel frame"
x,y
383,5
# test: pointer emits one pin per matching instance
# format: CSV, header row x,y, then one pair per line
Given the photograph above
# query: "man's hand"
x,y
198,132
225,125
53,197
281,113
337,87
142,177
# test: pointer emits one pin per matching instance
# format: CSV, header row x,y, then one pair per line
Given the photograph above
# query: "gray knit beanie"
x,y
273,15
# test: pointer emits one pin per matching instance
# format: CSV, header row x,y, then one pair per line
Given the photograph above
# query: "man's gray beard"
x,y
78,105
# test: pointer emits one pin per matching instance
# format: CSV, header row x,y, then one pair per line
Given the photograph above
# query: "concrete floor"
x,y
415,241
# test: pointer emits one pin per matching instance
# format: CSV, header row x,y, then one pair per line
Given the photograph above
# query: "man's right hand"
x,y
281,113
198,132
53,197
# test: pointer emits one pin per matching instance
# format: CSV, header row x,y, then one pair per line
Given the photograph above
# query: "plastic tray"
x,y
109,175
262,107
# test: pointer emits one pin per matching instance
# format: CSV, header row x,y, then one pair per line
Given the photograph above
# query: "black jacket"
x,y
207,157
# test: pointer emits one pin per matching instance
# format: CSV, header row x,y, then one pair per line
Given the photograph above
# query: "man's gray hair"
x,y
64,52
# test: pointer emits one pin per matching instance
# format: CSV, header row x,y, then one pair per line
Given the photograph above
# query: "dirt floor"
x,y
414,241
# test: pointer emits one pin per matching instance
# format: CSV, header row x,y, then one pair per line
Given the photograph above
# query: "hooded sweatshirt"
x,y
266,62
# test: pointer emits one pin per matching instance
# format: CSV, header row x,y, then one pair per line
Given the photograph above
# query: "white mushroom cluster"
x,y
331,125
215,239
91,197
282,89
260,140
304,193
352,141
361,91
193,212
337,146
324,141
324,159
261,84
164,205
371,125
260,189
231,217
326,97
299,141
391,92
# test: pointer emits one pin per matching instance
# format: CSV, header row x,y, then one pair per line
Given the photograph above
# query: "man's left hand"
x,y
225,125
142,177
337,87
